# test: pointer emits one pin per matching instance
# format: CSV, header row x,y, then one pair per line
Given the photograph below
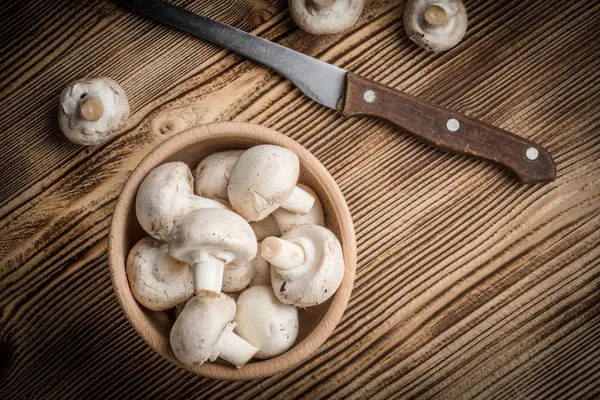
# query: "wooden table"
x,y
469,284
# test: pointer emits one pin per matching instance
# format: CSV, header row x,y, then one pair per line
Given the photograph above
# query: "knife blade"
x,y
354,95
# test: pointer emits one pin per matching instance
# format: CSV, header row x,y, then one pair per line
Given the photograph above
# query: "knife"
x,y
354,95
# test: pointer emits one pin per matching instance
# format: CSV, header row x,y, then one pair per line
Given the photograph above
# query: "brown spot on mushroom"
x,y
166,127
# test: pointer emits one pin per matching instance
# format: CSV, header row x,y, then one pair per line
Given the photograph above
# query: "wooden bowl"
x,y
191,146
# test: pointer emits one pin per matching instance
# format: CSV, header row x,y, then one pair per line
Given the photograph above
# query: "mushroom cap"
x,y
265,322
438,38
197,333
334,18
212,174
220,233
165,196
261,180
238,277
286,220
319,277
114,114
262,272
157,280
266,227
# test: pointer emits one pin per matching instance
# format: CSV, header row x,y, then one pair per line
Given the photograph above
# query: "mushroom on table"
x,y
324,17
307,265
208,239
435,25
165,196
91,111
203,331
263,179
265,322
157,280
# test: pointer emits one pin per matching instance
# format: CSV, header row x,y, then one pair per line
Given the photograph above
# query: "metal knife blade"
x,y
320,81
354,95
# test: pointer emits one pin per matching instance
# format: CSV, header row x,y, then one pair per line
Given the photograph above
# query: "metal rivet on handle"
x,y
532,153
452,125
369,96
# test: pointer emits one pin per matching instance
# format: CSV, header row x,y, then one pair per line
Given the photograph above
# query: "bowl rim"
x,y
178,142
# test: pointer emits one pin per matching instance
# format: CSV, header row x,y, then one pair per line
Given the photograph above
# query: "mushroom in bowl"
x,y
191,147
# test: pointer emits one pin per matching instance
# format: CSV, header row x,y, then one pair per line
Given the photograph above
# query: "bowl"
x,y
190,146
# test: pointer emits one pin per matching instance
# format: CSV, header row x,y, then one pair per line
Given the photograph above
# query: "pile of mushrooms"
x,y
241,227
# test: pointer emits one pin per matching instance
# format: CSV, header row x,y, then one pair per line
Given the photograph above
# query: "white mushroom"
x,y
287,220
264,179
157,280
91,111
208,239
165,196
212,174
265,322
324,17
266,227
307,265
238,277
435,25
203,331
211,177
262,273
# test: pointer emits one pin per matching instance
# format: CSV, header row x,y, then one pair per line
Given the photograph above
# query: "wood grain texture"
x,y
468,284
429,123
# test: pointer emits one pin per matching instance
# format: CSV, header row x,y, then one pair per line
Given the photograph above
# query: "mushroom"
x,y
211,177
307,265
208,239
262,273
91,111
238,277
324,17
265,322
286,220
266,227
157,280
203,331
435,25
263,179
165,196
212,174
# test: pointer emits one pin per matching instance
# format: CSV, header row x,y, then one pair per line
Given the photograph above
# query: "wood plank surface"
x,y
469,284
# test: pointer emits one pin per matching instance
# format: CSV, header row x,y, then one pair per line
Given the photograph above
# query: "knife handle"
x,y
447,130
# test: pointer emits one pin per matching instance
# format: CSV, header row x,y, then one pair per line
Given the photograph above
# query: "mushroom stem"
x,y
318,4
299,202
91,108
236,350
283,254
208,274
435,16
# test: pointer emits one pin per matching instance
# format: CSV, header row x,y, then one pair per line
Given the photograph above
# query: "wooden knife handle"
x,y
447,130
